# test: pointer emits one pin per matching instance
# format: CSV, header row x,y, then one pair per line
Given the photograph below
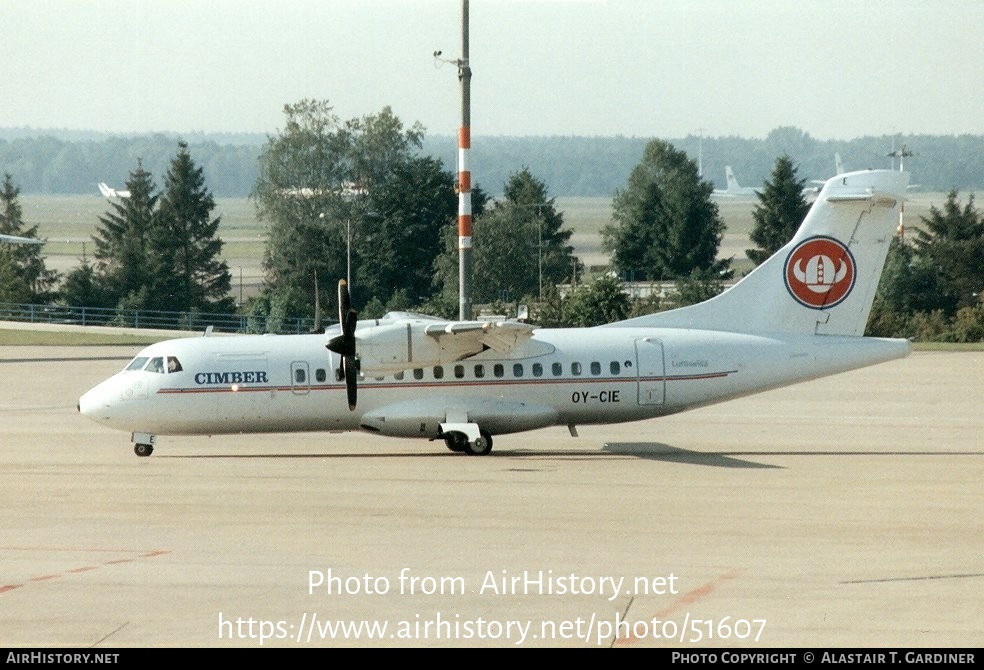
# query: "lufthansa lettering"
x,y
235,377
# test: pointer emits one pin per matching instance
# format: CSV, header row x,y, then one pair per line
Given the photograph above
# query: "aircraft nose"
x,y
101,403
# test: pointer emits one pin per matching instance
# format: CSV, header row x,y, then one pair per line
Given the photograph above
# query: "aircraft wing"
x,y
501,336
20,240
401,341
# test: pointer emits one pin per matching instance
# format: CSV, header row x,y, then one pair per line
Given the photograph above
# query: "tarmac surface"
x,y
844,512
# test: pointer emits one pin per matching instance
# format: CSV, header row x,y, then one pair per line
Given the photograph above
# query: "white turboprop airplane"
x,y
798,316
734,189
108,192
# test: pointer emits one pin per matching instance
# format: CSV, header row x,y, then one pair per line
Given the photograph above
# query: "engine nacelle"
x,y
422,418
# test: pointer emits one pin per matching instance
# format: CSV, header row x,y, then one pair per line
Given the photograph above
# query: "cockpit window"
x,y
174,365
156,364
137,363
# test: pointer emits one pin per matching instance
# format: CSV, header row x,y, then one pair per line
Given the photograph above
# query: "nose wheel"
x,y
143,443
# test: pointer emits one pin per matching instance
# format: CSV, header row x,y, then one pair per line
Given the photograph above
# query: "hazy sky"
x,y
664,68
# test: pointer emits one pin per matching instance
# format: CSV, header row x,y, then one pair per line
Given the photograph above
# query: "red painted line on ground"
x,y
686,599
86,568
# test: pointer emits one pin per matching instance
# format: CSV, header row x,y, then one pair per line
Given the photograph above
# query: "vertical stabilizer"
x,y
823,281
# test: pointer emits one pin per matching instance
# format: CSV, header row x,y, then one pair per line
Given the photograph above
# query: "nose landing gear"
x,y
143,443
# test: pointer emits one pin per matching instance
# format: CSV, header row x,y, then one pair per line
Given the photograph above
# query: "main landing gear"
x,y
459,442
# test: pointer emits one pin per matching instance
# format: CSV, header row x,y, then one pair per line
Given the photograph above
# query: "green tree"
x,y
597,302
780,211
123,243
82,287
396,242
665,224
188,273
949,251
13,288
24,261
518,240
317,182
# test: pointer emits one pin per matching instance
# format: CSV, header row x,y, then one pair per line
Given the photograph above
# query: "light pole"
x,y
348,247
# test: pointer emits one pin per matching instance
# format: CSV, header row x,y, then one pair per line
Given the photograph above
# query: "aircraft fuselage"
x,y
577,376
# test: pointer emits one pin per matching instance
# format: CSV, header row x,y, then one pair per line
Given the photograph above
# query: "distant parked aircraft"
x,y
112,192
14,239
734,190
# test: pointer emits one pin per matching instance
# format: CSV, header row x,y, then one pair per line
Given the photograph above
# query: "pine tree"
x,y
187,271
665,224
23,261
519,242
949,248
781,209
123,243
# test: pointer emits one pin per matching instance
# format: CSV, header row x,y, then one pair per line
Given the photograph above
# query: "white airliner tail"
x,y
729,176
824,280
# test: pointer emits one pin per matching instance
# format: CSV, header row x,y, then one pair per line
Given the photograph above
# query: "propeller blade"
x,y
344,344
351,368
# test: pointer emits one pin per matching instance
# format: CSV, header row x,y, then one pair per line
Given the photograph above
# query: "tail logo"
x,y
820,272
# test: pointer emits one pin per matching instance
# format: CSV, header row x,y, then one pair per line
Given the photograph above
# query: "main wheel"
x,y
143,449
481,446
456,441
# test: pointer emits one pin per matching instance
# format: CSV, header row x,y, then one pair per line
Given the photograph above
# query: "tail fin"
x,y
823,281
105,190
838,165
729,177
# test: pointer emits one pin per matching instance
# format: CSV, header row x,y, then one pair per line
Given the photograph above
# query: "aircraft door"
x,y
650,371
300,378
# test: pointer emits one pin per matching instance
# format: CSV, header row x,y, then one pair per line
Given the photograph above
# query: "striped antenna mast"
x,y
464,176
463,185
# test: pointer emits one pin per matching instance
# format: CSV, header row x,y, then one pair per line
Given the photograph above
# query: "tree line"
x,y
56,162
358,198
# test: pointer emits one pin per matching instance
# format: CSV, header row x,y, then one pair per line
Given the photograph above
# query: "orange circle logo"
x,y
820,272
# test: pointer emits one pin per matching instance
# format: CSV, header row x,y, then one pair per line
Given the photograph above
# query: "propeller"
x,y
344,344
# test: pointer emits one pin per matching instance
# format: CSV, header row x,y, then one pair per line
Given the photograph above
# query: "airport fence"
x,y
148,319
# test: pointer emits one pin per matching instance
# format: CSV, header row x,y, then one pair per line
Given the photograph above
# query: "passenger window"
x,y
479,371
557,369
398,376
418,373
156,365
459,371
595,368
517,369
438,372
320,375
173,365
537,370
614,367
498,370
575,368
300,376
137,363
